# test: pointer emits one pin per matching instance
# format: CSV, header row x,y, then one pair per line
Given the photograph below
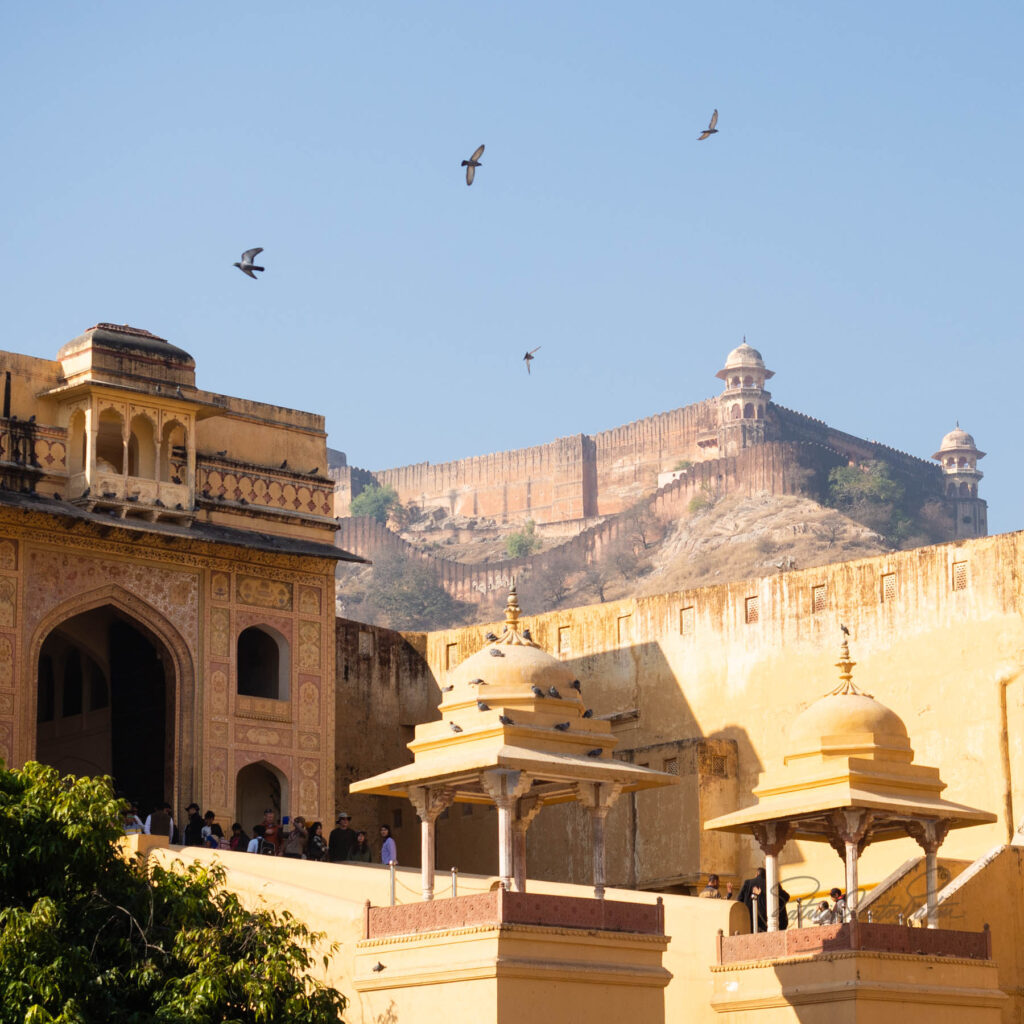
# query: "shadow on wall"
x,y
654,839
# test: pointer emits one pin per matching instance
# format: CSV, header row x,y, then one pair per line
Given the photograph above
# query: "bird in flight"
x,y
472,164
529,357
711,129
247,266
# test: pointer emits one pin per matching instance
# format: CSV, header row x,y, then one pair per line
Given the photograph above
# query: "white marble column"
x,y
429,803
598,798
929,835
771,837
852,828
504,787
527,808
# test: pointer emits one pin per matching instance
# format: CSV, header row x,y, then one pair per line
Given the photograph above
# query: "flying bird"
x,y
377,967
576,685
529,357
589,713
455,727
482,706
472,164
505,720
711,129
247,266
562,726
596,752
553,692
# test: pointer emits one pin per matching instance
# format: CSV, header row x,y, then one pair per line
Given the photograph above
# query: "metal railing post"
x,y
455,882
391,873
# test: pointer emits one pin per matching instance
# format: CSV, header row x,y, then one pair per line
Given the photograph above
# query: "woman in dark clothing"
x,y
360,849
239,840
316,847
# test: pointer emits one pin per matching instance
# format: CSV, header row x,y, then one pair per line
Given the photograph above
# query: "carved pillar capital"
x,y
430,801
504,785
598,797
929,835
772,836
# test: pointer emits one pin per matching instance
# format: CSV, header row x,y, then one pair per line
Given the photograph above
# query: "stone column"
x,y
429,803
929,835
598,798
527,808
852,828
504,786
772,837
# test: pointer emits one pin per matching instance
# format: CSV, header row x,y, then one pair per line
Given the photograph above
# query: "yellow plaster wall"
x,y
948,662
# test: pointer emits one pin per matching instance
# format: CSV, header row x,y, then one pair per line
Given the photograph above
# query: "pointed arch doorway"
x,y
105,700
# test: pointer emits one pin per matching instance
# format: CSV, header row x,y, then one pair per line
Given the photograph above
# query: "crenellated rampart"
x,y
774,468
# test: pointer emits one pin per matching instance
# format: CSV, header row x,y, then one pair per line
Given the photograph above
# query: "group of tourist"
x,y
302,841
754,894
297,840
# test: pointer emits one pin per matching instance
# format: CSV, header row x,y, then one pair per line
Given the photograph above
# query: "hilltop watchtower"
x,y
958,455
743,405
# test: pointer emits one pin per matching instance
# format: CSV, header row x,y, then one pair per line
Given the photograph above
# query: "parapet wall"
x,y
579,477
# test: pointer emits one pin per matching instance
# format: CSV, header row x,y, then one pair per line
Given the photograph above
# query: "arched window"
x,y
760,412
962,463
76,443
110,442
735,412
263,663
965,491
748,381
748,411
735,382
173,453
142,448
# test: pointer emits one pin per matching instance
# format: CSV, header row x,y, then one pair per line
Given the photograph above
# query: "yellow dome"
x,y
510,674
849,723
852,724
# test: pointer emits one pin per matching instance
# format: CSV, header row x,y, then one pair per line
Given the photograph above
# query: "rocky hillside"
x,y
717,541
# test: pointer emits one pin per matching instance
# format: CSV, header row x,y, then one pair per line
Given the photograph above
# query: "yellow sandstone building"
x,y
167,567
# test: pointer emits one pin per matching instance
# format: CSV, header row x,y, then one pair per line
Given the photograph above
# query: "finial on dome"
x,y
845,665
512,607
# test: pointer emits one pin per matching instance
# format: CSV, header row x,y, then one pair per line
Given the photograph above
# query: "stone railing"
x,y
502,907
855,935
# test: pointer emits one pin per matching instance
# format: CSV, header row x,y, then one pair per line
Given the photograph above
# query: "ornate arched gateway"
x,y
112,691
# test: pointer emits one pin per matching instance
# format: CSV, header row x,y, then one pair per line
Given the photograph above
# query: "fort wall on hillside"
x,y
780,468
576,478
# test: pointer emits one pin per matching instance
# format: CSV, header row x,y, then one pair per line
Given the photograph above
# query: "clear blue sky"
x,y
858,217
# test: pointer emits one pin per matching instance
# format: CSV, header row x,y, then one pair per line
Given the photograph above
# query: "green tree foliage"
x,y
379,502
868,493
88,936
523,542
408,593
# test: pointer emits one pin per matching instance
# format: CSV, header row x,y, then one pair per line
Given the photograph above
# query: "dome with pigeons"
x,y
514,672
